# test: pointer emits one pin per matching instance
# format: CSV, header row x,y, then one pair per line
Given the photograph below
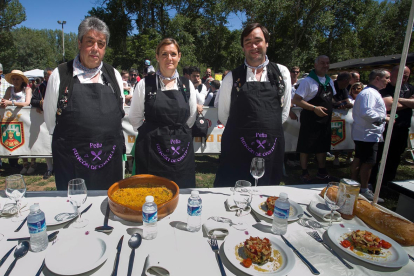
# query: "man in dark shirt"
x,y
341,100
402,124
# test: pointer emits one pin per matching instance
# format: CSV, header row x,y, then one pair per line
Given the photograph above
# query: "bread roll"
x,y
400,230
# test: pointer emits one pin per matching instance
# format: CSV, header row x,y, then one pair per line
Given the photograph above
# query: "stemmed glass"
x,y
242,197
15,190
331,198
257,170
77,194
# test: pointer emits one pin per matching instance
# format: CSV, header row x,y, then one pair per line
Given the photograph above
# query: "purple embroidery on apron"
x,y
175,150
252,151
261,143
90,166
179,159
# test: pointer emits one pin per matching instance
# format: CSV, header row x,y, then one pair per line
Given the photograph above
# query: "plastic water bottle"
x,y
281,214
194,208
37,228
149,218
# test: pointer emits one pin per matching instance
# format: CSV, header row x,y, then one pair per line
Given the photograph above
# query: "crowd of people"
x,y
253,101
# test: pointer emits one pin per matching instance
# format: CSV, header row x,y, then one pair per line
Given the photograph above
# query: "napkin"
x,y
156,265
321,210
231,206
219,229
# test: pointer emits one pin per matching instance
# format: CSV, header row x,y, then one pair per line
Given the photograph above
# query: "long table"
x,y
191,253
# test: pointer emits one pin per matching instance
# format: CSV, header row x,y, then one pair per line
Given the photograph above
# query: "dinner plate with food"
x,y
265,206
368,245
259,254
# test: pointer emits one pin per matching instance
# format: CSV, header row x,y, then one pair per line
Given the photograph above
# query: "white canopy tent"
x,y
35,73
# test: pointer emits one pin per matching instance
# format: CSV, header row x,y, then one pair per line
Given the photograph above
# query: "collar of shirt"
x,y
250,76
85,74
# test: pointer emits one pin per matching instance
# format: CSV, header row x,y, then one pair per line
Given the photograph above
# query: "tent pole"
x,y
394,104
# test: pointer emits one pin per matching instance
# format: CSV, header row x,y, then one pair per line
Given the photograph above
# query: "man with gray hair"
x,y
314,95
83,109
370,115
3,84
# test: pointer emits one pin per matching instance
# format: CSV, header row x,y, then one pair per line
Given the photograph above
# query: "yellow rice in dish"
x,y
134,195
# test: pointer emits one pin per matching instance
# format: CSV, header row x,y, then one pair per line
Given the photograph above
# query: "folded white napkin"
x,y
156,265
219,229
320,209
231,206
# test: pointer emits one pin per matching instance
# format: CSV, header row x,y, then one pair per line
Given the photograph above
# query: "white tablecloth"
x,y
190,251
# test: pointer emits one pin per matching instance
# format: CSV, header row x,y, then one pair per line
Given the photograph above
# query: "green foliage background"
x,y
300,31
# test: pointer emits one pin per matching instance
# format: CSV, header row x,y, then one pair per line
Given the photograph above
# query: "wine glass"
x,y
331,198
242,197
15,190
257,170
77,194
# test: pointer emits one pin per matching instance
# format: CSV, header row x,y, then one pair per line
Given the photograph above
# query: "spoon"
x,y
105,228
134,242
20,252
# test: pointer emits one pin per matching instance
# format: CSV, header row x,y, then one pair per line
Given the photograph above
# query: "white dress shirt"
x,y
52,95
308,88
137,111
201,96
225,92
369,107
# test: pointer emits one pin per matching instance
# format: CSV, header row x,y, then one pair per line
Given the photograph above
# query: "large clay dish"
x,y
134,213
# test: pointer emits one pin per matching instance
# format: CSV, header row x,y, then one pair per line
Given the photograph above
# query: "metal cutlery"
x,y
411,257
73,219
19,253
214,247
318,238
304,260
41,268
50,237
105,228
6,256
116,263
134,242
21,225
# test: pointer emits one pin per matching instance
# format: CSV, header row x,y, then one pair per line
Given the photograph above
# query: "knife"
x,y
307,263
6,256
409,256
21,225
116,263
73,219
50,237
41,268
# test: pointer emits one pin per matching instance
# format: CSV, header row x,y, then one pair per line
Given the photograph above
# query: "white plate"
x,y
233,240
77,254
396,256
260,207
67,207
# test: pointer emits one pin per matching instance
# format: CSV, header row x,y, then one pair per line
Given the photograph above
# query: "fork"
x,y
318,238
214,247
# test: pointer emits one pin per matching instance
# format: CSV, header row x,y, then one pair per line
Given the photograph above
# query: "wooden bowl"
x,y
135,213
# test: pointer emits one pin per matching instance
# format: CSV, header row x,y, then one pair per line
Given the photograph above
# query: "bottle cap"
x,y
283,195
149,199
35,207
194,193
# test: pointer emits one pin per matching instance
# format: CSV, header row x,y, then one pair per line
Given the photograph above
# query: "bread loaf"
x,y
400,230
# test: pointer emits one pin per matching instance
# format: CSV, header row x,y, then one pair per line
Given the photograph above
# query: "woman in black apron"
x,y
254,129
164,146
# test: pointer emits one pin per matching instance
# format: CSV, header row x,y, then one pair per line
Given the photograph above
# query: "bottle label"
x,y
348,207
281,213
194,210
150,217
37,227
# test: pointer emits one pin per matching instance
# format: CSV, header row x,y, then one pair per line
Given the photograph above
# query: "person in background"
x,y
355,77
163,111
133,77
19,95
128,90
370,115
356,88
3,83
214,90
200,87
83,110
292,159
314,95
186,72
37,102
206,75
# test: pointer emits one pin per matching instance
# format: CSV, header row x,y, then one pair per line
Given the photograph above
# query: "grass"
x,y
206,167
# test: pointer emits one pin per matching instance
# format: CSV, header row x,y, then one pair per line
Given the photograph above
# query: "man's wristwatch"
x,y
13,101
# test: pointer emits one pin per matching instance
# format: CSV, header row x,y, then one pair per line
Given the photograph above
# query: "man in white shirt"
x,y
370,115
253,104
200,87
314,95
83,109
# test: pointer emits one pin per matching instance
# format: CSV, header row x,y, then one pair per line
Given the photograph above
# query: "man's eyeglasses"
x,y
295,72
91,42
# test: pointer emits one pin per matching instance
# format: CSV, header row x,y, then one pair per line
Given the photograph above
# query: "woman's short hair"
x,y
167,41
93,23
250,27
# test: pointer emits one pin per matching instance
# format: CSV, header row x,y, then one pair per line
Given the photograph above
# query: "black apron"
x,y
164,145
254,129
315,132
87,141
